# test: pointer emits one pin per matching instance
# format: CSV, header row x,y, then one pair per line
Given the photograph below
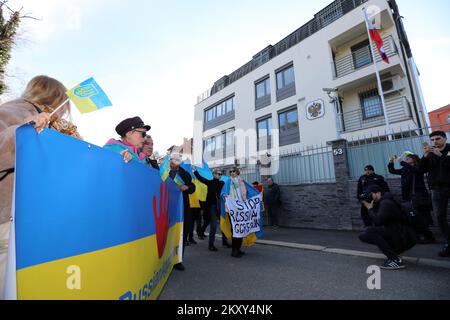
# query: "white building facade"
x,y
316,85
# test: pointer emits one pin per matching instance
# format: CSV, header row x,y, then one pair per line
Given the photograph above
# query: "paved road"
x,y
276,273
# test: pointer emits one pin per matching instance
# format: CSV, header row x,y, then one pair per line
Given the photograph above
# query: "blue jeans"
x,y
213,224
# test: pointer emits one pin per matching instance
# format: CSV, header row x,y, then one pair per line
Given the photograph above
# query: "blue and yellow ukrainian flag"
x,y
88,96
178,180
201,190
94,238
164,170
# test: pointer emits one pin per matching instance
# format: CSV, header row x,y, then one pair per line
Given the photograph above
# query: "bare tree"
x,y
9,24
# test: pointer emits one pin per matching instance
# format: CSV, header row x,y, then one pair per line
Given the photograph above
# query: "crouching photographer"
x,y
392,232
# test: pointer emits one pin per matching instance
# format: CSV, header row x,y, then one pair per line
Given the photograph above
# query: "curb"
x,y
354,253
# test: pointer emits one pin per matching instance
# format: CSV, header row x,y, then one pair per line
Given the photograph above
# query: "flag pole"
x,y
380,87
59,107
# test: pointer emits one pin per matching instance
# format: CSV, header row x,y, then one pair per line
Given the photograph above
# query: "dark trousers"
x,y
440,200
196,222
379,237
272,212
186,226
236,244
421,222
206,219
213,224
366,217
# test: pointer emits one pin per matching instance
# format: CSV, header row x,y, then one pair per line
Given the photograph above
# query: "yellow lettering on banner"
x,y
74,280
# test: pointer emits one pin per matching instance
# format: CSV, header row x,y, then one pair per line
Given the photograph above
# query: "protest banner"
x,y
86,225
245,216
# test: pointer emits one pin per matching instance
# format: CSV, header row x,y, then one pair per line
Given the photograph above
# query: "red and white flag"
x,y
375,35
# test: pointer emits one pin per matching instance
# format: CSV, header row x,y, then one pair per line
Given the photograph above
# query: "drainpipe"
x,y
397,19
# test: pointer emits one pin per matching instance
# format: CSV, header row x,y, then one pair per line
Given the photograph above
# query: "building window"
x,y
263,89
361,54
285,77
289,127
219,147
371,104
220,110
264,134
448,118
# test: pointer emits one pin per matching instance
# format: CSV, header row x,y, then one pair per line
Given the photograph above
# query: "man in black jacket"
x,y
272,200
436,162
365,181
147,149
391,232
187,188
212,202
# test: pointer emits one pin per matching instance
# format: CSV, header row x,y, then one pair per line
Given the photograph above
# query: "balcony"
x,y
398,109
362,58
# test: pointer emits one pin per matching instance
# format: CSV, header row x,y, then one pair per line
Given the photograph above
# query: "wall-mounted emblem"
x,y
315,110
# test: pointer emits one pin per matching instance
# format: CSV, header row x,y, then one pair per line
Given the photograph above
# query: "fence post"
x,y
342,173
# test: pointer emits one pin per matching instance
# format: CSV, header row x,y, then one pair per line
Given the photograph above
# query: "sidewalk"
x,y
347,243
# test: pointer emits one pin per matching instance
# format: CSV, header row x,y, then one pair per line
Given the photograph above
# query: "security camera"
x,y
329,90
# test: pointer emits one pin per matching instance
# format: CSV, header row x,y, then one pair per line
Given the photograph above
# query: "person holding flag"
x,y
171,168
236,188
37,105
212,202
132,134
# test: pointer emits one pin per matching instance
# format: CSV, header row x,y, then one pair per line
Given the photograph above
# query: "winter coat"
x,y
366,181
214,189
438,169
272,195
187,179
411,175
387,213
12,116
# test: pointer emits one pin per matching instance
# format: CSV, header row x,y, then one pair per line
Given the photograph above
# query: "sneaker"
x,y
179,267
213,249
242,253
445,252
393,264
192,241
202,237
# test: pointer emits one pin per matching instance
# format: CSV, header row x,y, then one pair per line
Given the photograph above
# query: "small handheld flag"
x,y
178,180
164,170
88,96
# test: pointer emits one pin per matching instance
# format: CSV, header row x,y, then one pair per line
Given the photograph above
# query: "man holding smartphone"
x,y
436,162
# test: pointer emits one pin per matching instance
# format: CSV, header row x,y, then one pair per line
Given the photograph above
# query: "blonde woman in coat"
x,y
42,95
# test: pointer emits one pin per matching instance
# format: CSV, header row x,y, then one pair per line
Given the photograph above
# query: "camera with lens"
x,y
366,197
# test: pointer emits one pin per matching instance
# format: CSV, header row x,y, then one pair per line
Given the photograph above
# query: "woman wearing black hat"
x,y
133,132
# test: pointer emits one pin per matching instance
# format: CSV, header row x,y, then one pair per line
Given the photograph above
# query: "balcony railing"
x,y
398,109
362,58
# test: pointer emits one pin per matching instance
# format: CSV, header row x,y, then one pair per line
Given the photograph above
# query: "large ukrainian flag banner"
x,y
89,226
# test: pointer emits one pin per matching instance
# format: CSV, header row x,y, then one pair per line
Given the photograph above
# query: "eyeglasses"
x,y
232,171
218,173
143,133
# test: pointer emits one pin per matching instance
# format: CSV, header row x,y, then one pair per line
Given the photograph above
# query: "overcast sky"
x,y
153,58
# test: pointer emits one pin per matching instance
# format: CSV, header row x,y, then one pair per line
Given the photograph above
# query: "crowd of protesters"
x,y
391,225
